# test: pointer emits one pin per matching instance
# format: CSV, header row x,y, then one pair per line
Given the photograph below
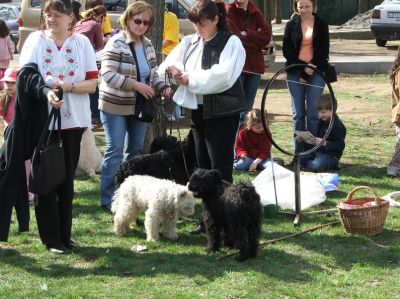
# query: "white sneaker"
x,y
392,171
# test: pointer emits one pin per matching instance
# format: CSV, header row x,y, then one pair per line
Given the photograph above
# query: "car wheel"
x,y
380,42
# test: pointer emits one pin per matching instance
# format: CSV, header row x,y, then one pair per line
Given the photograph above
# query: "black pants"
x,y
54,210
214,141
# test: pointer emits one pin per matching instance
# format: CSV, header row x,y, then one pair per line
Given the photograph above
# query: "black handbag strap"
x,y
55,114
136,62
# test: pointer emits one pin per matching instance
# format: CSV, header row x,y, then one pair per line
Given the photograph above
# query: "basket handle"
x,y
351,193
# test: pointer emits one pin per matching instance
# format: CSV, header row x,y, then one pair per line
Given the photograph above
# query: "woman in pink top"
x,y
6,49
91,26
306,41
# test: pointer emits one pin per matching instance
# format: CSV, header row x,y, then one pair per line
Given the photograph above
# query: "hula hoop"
x,y
264,98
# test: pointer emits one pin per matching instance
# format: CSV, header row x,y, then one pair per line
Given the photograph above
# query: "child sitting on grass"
x,y
253,148
327,156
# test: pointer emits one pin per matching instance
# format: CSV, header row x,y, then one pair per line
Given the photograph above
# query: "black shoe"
x,y
58,249
71,245
106,208
198,230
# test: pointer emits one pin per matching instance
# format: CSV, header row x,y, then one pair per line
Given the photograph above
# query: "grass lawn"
x,y
327,263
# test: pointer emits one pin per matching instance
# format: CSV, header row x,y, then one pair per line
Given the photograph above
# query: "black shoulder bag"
x,y
48,162
330,73
145,110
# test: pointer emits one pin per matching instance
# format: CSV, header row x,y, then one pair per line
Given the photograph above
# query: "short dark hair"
x,y
326,102
208,10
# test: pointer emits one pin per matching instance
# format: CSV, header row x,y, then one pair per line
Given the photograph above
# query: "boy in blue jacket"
x,y
327,156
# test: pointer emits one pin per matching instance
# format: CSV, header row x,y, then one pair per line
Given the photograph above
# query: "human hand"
x,y
173,71
309,71
167,93
66,87
317,140
182,79
144,89
253,166
53,99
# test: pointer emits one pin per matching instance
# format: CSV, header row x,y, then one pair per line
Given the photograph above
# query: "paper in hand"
x,y
306,136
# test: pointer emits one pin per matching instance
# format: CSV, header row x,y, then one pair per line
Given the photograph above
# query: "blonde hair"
x,y
136,8
253,117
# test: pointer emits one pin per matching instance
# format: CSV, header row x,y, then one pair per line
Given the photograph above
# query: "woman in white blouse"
x,y
66,61
207,66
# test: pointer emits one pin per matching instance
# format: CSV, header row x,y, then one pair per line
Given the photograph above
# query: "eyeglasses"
x,y
139,22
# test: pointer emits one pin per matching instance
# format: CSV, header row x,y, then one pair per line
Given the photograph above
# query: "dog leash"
x,y
169,84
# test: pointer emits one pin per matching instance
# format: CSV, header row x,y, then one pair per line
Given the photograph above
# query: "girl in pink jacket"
x,y
6,49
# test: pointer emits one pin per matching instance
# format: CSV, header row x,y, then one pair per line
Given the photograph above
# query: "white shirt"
x,y
218,78
69,64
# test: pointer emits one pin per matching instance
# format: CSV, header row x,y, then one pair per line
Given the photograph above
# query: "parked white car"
x,y
385,22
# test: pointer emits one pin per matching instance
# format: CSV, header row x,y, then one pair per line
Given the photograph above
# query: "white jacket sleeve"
x,y
175,58
223,75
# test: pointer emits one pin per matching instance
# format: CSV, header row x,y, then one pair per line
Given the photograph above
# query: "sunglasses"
x,y
140,22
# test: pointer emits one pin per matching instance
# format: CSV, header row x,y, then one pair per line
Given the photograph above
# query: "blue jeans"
x,y
243,165
119,130
318,162
250,84
304,103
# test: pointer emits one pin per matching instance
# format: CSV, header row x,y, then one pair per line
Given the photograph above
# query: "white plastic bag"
x,y
311,190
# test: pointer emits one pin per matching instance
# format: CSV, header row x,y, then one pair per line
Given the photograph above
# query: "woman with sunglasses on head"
x,y
128,71
66,61
91,26
207,66
306,41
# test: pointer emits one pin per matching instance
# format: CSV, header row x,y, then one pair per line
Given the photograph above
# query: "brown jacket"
x,y
395,82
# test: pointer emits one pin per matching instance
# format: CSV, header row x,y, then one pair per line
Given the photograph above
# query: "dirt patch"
x,y
356,105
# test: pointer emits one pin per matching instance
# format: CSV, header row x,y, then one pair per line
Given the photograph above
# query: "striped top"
x,y
118,72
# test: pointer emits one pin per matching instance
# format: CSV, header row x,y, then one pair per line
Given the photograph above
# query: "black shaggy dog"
x,y
231,211
170,161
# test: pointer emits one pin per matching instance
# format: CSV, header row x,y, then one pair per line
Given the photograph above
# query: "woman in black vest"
x,y
207,66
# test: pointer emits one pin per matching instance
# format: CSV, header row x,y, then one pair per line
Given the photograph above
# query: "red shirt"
x,y
252,144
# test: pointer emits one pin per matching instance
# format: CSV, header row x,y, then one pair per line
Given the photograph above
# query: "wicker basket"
x,y
366,220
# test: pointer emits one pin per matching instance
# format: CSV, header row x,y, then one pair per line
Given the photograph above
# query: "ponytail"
x,y
209,9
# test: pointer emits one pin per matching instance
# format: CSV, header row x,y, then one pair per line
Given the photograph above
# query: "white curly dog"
x,y
90,157
163,201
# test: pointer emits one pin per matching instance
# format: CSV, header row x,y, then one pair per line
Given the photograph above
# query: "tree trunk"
x,y
362,6
268,10
278,12
157,127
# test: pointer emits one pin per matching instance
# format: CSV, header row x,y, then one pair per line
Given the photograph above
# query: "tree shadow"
x,y
116,261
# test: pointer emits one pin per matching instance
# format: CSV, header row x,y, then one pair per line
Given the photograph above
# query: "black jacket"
x,y
293,37
335,142
20,139
226,103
